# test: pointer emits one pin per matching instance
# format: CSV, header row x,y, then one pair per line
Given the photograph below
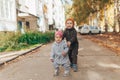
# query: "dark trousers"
x,y
73,55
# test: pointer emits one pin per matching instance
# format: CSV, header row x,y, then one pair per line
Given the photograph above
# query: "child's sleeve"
x,y
52,53
65,47
63,35
74,37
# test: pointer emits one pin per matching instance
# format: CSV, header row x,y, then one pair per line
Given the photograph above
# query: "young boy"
x,y
59,55
70,34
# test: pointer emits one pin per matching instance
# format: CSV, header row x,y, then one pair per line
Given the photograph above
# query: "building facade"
x,y
28,15
8,15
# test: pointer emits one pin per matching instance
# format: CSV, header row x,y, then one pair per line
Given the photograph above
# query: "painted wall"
x,y
29,6
8,15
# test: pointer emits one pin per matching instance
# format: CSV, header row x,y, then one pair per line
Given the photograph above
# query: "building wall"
x,y
33,23
58,14
42,22
32,5
30,13
29,6
7,15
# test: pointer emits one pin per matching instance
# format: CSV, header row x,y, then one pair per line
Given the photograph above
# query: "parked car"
x,y
79,28
89,30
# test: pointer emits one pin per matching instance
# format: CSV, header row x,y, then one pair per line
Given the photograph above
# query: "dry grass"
x,y
5,36
109,40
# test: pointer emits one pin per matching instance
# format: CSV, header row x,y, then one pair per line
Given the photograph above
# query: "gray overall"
x,y
59,59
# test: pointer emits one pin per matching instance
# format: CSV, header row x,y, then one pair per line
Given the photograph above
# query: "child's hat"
x,y
60,33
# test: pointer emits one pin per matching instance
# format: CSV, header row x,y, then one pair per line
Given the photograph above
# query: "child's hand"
x,y
52,60
64,54
68,43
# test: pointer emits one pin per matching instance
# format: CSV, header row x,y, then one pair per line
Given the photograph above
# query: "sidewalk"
x,y
94,63
8,56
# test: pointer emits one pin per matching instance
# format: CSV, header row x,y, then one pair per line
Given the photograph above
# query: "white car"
x,y
89,30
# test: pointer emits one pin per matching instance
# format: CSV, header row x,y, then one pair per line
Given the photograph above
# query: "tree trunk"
x,y
115,20
118,14
119,22
105,19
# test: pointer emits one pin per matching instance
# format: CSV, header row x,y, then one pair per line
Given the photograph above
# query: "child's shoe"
x,y
56,72
71,65
75,68
66,73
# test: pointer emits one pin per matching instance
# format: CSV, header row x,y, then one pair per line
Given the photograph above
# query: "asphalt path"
x,y
94,63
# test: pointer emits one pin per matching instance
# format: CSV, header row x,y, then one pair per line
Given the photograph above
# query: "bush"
x,y
36,38
18,42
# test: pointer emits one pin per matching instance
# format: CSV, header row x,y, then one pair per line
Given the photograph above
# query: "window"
x,y
85,27
1,8
27,25
6,9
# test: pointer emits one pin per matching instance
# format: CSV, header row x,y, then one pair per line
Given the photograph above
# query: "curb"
x,y
11,56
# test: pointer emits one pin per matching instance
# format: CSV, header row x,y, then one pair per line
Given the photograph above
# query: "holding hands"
x,y
52,60
68,43
64,54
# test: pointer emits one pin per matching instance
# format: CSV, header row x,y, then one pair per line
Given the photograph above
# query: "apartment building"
x,y
8,15
28,15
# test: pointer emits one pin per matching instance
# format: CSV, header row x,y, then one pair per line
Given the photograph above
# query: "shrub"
x,y
36,37
17,42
